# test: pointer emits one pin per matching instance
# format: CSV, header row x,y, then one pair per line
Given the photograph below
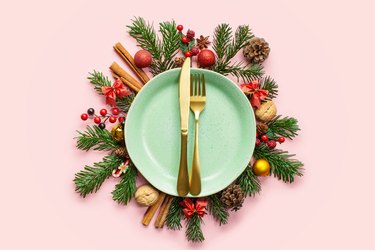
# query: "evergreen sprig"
x,y
124,191
161,51
173,220
97,79
96,138
217,210
271,86
249,182
91,179
226,47
193,228
124,103
286,126
282,165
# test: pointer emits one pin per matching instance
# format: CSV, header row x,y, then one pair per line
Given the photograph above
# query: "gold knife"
x,y
184,98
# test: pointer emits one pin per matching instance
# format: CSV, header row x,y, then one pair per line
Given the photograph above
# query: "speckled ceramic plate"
x,y
226,139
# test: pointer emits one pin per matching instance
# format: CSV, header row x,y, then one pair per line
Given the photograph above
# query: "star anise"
x,y
203,42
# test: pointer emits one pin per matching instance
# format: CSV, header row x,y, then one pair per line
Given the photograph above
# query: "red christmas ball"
x,y
206,58
142,59
84,116
112,119
180,27
281,139
103,112
264,138
188,54
185,39
271,144
97,120
115,111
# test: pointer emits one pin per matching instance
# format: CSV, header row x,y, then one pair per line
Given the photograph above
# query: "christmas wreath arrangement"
x,y
160,54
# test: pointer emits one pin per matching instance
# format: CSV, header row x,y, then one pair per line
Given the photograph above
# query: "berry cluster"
x,y
189,41
103,117
270,143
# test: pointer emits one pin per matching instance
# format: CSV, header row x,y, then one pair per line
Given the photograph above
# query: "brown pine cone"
x,y
257,50
120,152
233,197
262,128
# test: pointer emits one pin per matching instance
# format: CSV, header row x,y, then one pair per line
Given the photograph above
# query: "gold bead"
x,y
261,167
118,133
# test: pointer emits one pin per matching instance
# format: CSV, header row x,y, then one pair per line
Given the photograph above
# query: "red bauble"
x,y
103,112
115,111
142,59
206,58
264,138
180,27
185,39
271,144
112,119
84,116
188,54
281,139
97,120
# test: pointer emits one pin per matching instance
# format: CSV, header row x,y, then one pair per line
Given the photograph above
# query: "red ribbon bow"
x,y
190,208
118,89
257,94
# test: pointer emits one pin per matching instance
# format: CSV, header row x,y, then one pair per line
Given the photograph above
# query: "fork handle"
x,y
183,175
195,183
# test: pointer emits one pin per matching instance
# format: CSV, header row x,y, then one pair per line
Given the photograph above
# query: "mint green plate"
x,y
226,137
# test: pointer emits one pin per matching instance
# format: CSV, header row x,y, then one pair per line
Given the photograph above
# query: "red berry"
x,y
185,39
256,134
121,119
115,111
264,138
257,142
190,34
112,119
271,144
97,120
103,112
188,54
84,116
180,27
281,139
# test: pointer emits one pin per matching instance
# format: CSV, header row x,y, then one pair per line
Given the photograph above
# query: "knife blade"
x,y
184,100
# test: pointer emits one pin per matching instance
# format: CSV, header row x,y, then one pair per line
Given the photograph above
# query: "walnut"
x,y
266,112
146,195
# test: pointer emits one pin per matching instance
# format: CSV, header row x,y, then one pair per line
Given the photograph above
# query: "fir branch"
x,y
193,228
271,86
99,80
125,102
282,165
173,220
249,182
124,191
97,139
221,40
286,126
241,38
217,210
246,73
90,179
171,40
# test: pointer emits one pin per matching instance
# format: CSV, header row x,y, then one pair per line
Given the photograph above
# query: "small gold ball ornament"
x,y
261,167
118,133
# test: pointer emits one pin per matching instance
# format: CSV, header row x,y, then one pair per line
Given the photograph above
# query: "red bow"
x,y
190,208
118,89
257,94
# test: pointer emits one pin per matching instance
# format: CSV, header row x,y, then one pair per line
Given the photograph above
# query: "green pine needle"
x,y
97,79
217,210
286,126
249,182
96,138
283,167
124,103
124,191
271,86
193,229
173,220
90,179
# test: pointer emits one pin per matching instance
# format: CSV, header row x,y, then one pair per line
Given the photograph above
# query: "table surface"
x,y
321,56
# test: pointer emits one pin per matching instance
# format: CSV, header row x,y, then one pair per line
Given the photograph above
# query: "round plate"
x,y
226,132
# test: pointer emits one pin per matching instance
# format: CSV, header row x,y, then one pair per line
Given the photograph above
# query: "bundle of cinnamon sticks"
x,y
163,204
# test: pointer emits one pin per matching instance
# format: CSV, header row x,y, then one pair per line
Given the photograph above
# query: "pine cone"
x,y
120,152
257,50
233,197
262,128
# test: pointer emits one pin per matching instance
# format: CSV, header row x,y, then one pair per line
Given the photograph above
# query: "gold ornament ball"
x,y
118,133
261,167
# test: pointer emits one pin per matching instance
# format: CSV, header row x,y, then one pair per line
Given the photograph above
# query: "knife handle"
x,y
183,175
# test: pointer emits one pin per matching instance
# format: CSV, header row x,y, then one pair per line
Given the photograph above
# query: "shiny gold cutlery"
x,y
197,104
184,99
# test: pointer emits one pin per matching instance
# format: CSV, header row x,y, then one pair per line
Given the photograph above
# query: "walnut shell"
x,y
146,195
266,112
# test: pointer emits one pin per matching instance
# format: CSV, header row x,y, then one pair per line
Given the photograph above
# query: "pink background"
x,y
322,57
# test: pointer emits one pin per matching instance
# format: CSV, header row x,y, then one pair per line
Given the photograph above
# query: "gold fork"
x,y
197,104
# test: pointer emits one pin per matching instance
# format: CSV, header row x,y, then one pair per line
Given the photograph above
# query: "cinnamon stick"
x,y
122,73
124,54
152,210
163,212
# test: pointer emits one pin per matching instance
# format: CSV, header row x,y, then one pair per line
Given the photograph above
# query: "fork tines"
x,y
197,85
